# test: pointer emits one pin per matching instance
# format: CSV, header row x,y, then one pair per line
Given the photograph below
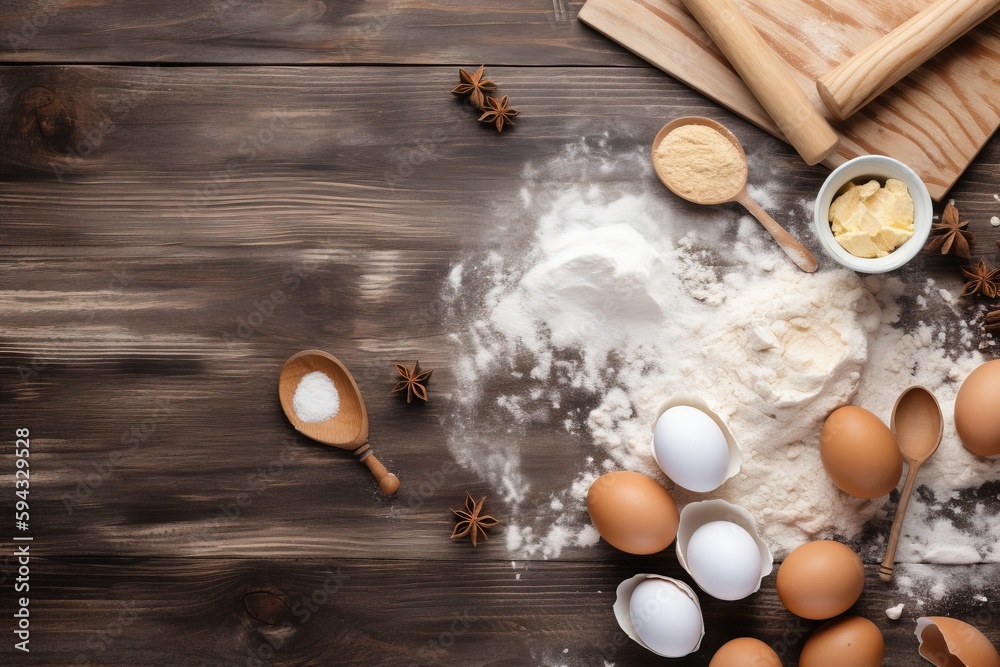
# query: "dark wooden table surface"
x,y
165,166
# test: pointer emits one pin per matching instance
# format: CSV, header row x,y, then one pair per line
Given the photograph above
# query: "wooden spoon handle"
x,y
795,250
869,73
387,482
885,572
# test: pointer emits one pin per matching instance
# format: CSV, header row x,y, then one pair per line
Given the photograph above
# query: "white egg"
x,y
724,560
666,619
691,449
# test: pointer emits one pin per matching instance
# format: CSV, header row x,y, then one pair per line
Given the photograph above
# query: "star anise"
x,y
471,521
413,381
982,280
475,86
497,111
953,238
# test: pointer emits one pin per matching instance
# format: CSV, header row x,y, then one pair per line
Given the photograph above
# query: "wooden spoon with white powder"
x,y
703,162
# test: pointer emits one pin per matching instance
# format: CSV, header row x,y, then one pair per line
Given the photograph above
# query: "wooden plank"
x,y
459,612
936,120
512,32
115,299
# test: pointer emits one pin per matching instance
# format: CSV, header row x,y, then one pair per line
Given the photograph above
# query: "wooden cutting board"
x,y
935,120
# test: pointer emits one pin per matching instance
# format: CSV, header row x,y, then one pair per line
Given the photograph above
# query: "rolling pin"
x,y
767,76
869,73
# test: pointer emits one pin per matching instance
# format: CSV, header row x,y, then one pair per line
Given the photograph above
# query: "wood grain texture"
x,y
935,121
511,32
171,236
867,74
146,314
461,613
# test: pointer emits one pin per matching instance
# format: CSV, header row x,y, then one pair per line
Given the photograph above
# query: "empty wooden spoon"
x,y
918,425
795,250
348,429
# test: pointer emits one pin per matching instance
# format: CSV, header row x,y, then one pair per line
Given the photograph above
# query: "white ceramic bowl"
x,y
860,170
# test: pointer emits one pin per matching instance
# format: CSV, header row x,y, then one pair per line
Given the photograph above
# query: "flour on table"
x,y
607,292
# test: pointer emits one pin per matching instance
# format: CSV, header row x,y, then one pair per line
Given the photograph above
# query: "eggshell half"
x,y
745,652
850,641
689,400
977,418
948,642
632,512
820,579
697,514
623,603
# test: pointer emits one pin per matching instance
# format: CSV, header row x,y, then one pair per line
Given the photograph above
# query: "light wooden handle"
x,y
871,72
387,482
767,76
885,572
795,250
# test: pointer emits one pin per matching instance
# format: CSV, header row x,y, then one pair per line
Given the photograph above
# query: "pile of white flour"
x,y
616,295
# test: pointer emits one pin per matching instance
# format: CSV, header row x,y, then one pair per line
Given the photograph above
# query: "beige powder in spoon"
x,y
700,163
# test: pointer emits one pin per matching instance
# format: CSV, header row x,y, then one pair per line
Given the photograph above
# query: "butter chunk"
x,y
868,189
844,205
893,237
870,224
896,186
872,221
853,222
860,244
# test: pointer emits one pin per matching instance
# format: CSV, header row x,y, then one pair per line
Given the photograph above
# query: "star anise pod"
x,y
982,280
497,111
952,236
475,86
471,522
413,381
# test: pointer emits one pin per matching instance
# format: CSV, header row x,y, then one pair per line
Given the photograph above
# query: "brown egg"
x,y
948,642
745,652
977,418
632,512
820,580
859,453
850,641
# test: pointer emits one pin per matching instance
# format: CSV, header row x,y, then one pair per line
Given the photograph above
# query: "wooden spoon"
x,y
348,429
918,426
795,250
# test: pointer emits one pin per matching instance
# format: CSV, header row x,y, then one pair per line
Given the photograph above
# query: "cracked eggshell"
x,y
681,465
623,614
697,514
949,642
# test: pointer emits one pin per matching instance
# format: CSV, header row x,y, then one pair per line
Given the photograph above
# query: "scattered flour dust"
x,y
612,294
